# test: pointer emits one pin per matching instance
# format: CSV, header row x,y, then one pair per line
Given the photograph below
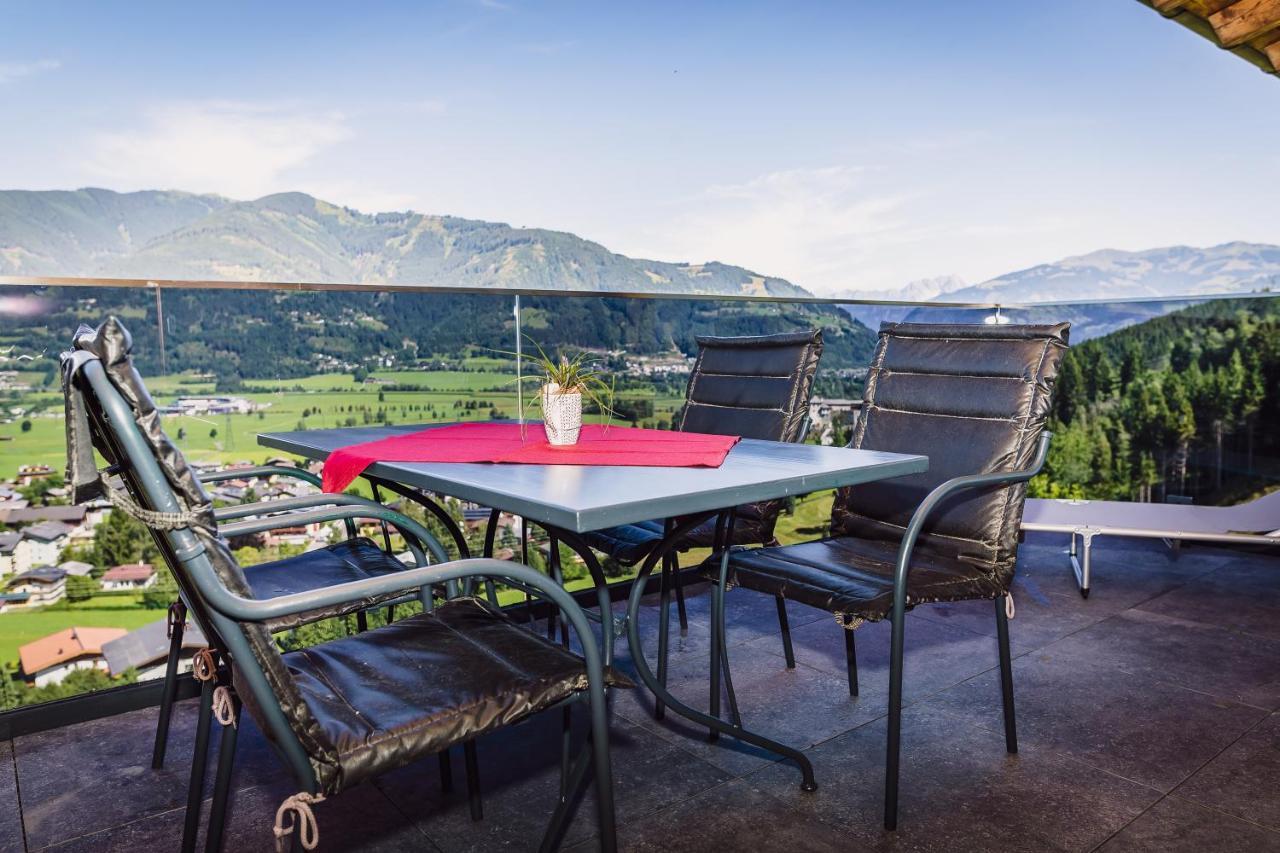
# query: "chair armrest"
x,y
945,490
260,610
415,534
261,471
228,513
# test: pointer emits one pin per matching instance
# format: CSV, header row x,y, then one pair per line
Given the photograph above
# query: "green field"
x,y
328,399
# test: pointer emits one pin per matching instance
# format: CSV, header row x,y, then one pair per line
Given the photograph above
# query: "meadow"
x,y
320,401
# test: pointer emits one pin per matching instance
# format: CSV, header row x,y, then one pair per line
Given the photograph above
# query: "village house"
x,y
146,650
51,659
41,545
75,568
36,588
129,576
9,540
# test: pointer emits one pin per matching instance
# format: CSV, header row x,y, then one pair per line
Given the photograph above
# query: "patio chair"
x,y
974,399
753,387
350,709
354,559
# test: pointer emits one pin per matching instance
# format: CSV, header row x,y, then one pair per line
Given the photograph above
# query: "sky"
x,y
842,146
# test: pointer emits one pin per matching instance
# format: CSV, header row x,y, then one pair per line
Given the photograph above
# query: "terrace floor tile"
x,y
1153,732
1174,825
1244,780
1147,721
959,790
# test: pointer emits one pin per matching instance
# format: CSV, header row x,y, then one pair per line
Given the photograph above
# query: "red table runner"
x,y
503,442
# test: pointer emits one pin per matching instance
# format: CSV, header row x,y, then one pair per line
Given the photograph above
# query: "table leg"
x,y
661,694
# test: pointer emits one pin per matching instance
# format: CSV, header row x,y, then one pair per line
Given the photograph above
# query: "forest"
x,y
1181,407
244,334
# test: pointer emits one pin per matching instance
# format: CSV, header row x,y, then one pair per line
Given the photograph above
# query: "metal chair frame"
x,y
226,611
902,570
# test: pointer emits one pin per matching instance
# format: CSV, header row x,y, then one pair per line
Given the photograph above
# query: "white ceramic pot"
x,y
561,414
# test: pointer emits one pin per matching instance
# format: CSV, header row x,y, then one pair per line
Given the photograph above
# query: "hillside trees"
x,y
1188,386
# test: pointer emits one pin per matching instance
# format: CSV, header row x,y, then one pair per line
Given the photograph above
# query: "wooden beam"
x,y
1244,20
1168,7
1270,45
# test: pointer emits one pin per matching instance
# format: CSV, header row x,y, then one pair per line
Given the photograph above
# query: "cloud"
x,y
812,226
10,71
242,150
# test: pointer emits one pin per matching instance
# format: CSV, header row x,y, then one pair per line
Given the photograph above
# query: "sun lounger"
x,y
1256,522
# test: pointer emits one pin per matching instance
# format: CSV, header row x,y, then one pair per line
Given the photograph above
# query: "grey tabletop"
x,y
583,498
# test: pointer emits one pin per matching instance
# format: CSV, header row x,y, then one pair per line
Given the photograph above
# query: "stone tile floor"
x,y
1149,719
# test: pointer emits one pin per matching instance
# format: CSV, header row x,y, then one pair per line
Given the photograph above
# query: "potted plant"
x,y
565,381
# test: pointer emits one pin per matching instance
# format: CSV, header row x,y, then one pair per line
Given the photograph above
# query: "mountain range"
x,y
295,237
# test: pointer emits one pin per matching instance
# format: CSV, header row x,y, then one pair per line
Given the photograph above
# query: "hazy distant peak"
x,y
920,290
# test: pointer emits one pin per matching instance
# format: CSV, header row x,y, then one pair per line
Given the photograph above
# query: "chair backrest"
x,y
974,399
753,386
109,408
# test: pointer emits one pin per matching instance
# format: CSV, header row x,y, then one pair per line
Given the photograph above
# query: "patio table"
x,y
577,499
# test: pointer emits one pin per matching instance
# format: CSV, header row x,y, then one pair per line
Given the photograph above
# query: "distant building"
x,y
212,405
28,474
75,568
51,659
41,545
129,576
37,587
9,540
147,650
18,516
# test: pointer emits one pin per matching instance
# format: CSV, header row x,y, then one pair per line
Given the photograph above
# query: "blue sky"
x,y
854,145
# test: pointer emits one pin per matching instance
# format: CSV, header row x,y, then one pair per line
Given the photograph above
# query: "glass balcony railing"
x,y
1161,401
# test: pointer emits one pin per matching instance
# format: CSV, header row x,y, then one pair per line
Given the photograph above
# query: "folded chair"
x,y
753,387
350,709
974,399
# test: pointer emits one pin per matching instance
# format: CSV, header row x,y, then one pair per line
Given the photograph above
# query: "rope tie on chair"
x,y
151,518
848,621
204,667
304,821
177,616
1009,609
224,707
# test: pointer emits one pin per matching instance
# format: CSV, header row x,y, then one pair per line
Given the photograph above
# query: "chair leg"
x,y
1006,677
195,787
222,783
851,661
734,714
679,584
446,771
717,658
784,625
362,622
473,781
566,747
895,723
177,625
664,634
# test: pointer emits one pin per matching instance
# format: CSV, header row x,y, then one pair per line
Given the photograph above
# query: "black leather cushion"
x,y
352,560
631,543
753,386
974,398
855,576
388,696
